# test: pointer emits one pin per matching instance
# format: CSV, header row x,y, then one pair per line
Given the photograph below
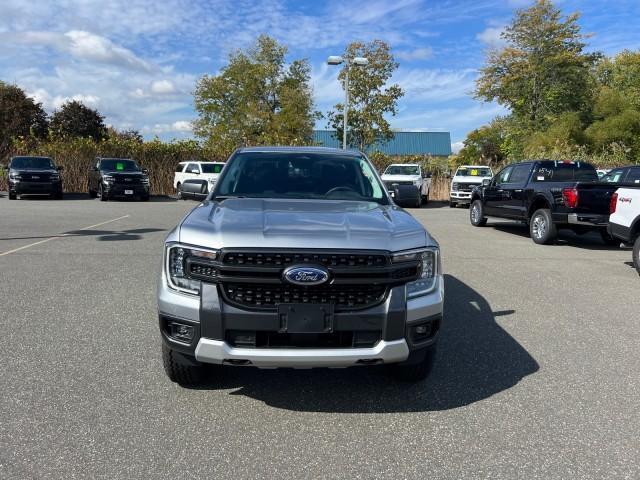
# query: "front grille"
x,y
390,184
467,187
120,180
344,297
281,259
36,177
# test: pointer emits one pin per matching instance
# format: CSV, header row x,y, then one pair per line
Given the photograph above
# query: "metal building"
x,y
436,144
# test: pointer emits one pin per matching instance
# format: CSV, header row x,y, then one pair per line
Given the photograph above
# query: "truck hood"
x,y
469,179
275,223
400,178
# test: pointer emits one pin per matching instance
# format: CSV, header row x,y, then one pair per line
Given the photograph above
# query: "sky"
x,y
137,61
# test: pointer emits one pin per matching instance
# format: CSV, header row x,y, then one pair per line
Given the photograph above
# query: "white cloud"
x,y
423,53
435,84
81,45
180,127
491,36
54,102
456,147
163,87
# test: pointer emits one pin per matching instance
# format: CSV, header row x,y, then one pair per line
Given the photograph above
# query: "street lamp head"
x,y
335,60
360,61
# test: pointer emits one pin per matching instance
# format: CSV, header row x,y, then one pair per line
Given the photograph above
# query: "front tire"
x,y
418,370
179,194
636,254
425,199
101,194
476,214
12,196
179,369
541,227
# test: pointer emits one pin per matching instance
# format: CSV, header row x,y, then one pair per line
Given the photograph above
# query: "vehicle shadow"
x,y
102,235
476,359
587,241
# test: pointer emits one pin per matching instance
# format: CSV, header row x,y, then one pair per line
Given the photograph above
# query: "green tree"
x,y
370,99
124,135
565,133
256,100
542,71
622,74
20,116
484,145
77,120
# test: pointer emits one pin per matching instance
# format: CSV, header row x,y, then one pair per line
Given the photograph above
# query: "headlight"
x,y
417,183
15,176
176,267
145,180
454,186
55,177
428,268
108,179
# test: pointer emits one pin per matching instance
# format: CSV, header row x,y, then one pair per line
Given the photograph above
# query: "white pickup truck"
x,y
409,183
624,222
196,179
465,179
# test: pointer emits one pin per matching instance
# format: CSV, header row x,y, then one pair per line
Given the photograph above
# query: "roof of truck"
x,y
326,150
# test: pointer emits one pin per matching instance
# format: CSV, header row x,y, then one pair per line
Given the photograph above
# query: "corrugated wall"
x,y
403,143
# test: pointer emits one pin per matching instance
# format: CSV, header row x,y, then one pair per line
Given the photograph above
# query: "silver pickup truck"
x,y
299,258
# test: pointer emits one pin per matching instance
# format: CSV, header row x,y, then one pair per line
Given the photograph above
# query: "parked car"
x,y
463,182
409,183
602,172
547,195
623,175
118,178
624,222
299,258
196,179
34,176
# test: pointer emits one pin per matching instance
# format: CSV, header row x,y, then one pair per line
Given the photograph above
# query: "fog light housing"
x,y
420,333
181,332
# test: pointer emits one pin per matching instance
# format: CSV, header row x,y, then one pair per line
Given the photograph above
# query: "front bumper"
x,y
35,188
212,320
217,351
119,190
460,197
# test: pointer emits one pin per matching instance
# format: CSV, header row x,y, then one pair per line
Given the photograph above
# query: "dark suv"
x,y
34,176
118,177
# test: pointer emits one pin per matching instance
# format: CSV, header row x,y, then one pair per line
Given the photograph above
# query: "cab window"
x,y
504,175
180,167
193,168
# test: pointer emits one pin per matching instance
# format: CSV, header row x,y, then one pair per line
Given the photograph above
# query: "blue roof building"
x,y
437,144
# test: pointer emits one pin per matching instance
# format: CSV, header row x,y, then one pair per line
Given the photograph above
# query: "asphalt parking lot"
x,y
537,371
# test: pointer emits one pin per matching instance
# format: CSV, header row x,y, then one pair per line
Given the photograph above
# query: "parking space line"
x,y
60,236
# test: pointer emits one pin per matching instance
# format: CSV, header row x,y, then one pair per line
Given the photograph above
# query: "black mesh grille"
x,y
282,259
36,177
342,296
124,180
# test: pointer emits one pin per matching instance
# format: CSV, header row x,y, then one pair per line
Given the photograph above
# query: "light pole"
x,y
337,60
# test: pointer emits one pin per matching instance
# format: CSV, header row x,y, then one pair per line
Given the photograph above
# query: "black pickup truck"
x,y
547,195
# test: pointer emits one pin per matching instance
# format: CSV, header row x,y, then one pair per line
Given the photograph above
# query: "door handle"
x,y
518,190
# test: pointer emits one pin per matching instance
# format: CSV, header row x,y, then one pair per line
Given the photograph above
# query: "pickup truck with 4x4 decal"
x,y
624,222
299,258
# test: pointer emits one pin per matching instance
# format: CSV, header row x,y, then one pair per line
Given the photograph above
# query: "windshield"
x,y
402,170
36,163
211,167
474,172
300,175
117,165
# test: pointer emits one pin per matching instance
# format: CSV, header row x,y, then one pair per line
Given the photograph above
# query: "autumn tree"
x,y
20,116
74,119
370,98
543,70
256,99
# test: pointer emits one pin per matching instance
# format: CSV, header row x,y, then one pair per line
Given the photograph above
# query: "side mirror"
x,y
391,193
428,175
60,169
486,182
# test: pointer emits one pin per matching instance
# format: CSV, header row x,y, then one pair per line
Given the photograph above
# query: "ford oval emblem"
x,y
306,275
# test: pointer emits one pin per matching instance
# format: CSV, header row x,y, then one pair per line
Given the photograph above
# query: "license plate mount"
x,y
305,318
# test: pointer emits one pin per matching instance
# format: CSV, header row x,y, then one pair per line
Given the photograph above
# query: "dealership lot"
x,y
537,372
